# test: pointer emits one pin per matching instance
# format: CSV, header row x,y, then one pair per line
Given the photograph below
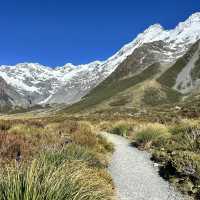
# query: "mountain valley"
x,y
164,63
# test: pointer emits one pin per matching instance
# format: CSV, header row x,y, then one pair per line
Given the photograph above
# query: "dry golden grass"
x,y
71,180
150,133
55,160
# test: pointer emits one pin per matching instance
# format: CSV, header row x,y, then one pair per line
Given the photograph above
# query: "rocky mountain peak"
x,y
194,17
69,83
154,28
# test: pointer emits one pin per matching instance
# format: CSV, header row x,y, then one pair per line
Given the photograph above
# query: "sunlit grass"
x,y
41,181
53,160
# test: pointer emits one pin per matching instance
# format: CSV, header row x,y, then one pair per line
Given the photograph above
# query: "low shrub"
x,y
182,168
186,137
185,124
179,156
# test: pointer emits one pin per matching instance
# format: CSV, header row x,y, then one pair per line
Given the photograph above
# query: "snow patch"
x,y
184,82
28,78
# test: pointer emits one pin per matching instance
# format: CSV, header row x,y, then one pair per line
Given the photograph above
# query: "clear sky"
x,y
54,32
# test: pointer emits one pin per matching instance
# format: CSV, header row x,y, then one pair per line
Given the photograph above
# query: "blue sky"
x,y
54,32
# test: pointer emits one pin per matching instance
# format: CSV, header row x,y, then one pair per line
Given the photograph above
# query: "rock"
x,y
156,165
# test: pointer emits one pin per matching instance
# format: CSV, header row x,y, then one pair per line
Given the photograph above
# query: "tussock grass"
x,y
149,134
123,128
186,135
5,125
180,156
11,146
25,130
105,126
70,153
56,160
183,125
84,135
71,180
175,146
104,145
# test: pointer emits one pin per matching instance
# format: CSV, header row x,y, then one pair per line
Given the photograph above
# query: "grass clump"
x,y
149,134
71,180
105,126
5,125
105,146
84,135
122,128
12,146
55,160
179,156
25,131
72,152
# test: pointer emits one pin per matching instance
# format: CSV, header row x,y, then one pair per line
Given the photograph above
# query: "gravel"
x,y
135,176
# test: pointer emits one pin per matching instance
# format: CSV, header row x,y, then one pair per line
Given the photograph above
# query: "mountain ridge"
x,y
68,84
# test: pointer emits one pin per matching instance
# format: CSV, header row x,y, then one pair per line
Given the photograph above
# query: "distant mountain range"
x,y
158,66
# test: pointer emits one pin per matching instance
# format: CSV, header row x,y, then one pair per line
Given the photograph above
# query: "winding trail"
x,y
134,175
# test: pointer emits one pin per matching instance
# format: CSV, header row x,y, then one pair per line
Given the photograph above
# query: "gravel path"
x,y
134,175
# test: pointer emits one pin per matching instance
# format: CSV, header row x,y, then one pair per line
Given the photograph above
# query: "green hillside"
x,y
109,88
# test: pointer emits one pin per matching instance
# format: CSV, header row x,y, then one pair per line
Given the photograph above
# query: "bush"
x,y
182,168
187,163
186,136
184,125
180,158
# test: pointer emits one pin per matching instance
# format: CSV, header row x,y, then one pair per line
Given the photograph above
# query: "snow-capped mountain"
x,y
38,84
